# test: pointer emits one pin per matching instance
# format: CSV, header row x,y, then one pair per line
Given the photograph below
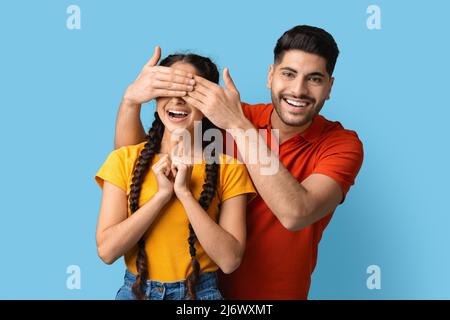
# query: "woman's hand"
x,y
182,170
163,177
158,81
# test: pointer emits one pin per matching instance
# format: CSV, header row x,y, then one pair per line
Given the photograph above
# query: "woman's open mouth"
x,y
177,115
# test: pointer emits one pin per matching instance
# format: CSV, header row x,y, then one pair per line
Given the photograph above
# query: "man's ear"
x,y
331,86
270,77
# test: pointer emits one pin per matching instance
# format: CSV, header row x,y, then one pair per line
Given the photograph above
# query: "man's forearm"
x,y
129,129
288,200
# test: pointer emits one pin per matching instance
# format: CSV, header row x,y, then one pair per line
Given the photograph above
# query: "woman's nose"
x,y
178,100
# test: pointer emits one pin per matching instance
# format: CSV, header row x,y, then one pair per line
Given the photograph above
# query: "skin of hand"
x,y
181,169
220,105
158,81
163,176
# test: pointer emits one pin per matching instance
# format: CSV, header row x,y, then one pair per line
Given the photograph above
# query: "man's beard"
x,y
313,109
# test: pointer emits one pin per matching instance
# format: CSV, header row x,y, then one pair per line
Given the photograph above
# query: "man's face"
x,y
299,85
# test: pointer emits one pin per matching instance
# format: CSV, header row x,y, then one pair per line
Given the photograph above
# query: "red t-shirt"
x,y
278,263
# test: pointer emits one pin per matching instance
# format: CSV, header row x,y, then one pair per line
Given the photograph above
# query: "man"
x,y
318,160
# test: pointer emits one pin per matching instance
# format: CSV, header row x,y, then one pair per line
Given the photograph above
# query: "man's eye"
x,y
288,74
316,80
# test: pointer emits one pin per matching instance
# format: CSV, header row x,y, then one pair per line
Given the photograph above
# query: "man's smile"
x,y
295,105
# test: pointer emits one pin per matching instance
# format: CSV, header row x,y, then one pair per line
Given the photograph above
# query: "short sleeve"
x,y
235,181
113,170
341,160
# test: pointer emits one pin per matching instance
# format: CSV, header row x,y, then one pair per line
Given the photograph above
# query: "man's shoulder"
x,y
247,107
258,114
334,132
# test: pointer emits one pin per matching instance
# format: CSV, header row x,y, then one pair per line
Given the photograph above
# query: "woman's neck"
x,y
168,144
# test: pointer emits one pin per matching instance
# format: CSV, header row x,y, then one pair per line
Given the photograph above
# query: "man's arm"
x,y
295,204
129,128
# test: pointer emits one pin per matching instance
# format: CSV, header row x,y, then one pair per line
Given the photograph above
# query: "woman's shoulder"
x,y
234,178
227,165
130,152
228,160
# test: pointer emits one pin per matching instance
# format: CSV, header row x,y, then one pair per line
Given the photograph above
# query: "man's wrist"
x,y
129,103
242,124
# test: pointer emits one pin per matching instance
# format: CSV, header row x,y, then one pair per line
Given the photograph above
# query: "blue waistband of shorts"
x,y
206,280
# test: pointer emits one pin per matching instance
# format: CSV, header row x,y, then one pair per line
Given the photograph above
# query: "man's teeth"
x,y
296,103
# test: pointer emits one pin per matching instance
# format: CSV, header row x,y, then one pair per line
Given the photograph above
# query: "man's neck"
x,y
286,131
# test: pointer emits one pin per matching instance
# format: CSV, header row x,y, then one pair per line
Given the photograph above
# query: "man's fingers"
x,y
228,80
170,70
206,84
194,102
155,58
173,77
158,84
205,91
169,93
196,95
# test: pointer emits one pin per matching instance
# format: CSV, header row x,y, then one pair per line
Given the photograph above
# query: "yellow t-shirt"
x,y
166,240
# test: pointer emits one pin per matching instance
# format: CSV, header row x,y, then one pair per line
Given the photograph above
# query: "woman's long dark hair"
x,y
207,69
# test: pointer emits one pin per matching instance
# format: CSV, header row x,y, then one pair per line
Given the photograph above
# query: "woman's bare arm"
x,y
224,242
116,233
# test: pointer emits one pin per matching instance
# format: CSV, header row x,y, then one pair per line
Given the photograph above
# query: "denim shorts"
x,y
206,288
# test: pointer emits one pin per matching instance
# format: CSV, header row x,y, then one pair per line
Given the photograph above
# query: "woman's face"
x,y
175,113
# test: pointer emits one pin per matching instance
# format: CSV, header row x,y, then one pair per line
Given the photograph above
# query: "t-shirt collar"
x,y
311,134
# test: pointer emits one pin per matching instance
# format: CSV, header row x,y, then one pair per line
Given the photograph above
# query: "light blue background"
x,y
60,91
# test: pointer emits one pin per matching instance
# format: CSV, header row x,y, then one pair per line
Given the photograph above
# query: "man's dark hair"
x,y
309,39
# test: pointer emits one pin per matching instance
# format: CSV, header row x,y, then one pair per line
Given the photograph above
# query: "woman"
x,y
178,222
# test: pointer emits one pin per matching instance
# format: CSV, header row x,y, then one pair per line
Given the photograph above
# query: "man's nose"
x,y
300,87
